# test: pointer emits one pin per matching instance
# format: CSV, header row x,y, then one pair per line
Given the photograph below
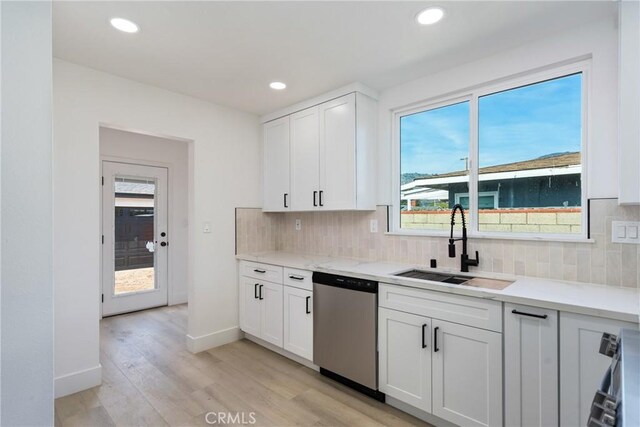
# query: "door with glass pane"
x,y
135,237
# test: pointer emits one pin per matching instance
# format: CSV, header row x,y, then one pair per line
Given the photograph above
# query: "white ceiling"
x,y
228,52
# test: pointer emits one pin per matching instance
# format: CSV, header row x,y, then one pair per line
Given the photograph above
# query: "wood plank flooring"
x,y
151,379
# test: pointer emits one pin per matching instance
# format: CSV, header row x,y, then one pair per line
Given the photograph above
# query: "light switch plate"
x,y
206,228
625,232
373,225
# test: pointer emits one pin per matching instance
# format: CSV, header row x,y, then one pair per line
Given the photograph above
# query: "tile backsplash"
x,y
347,234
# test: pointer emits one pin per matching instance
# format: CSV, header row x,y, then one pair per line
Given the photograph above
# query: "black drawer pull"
x,y
435,339
315,195
260,292
291,276
321,203
255,290
521,313
257,270
424,328
307,305
285,200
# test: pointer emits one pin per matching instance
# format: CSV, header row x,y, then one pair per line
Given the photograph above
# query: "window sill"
x,y
472,236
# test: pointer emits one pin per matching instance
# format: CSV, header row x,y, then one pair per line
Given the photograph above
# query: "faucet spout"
x,y
465,261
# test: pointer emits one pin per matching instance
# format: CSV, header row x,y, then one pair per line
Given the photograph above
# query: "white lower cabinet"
x,y
405,357
298,322
467,374
261,309
530,366
582,367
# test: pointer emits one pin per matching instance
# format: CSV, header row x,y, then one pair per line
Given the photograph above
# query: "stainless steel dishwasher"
x,y
345,331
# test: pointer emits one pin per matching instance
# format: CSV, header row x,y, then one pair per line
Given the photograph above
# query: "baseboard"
x,y
418,413
215,339
282,352
77,381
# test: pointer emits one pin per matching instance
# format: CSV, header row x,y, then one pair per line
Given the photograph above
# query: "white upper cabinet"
x,y
338,153
305,152
331,158
276,193
629,103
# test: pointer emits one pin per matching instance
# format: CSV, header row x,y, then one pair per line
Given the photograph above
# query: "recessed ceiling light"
x,y
277,85
430,16
125,25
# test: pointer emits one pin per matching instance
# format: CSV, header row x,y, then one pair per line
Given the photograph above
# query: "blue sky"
x,y
515,125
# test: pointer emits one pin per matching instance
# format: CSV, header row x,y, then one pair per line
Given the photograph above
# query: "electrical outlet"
x,y
206,228
373,225
298,225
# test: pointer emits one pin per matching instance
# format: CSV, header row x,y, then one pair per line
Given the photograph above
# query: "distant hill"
x,y
410,176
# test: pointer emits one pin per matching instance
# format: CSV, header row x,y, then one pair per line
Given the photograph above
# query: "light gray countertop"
x,y
595,300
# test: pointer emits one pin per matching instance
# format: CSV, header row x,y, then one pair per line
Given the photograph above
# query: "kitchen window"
x,y
511,154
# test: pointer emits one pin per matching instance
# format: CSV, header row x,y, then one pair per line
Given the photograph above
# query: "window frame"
x,y
472,95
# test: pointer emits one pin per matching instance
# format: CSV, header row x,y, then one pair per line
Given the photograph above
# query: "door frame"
x,y
169,209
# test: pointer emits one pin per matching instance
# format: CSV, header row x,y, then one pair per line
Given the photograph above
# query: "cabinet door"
x,y
298,322
271,322
338,153
530,366
582,367
404,342
250,307
276,197
305,152
467,374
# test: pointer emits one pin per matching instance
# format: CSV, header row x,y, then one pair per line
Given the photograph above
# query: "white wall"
x,y
226,171
598,39
26,391
131,147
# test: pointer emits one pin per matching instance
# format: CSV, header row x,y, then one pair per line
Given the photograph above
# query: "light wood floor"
x,y
150,378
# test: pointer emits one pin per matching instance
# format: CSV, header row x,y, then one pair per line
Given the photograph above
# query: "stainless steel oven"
x,y
617,401
345,320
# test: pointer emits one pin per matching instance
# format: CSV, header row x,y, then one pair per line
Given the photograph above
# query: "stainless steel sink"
x,y
435,277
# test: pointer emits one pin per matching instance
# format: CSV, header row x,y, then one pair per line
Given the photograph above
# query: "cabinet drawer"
x,y
271,273
476,312
298,278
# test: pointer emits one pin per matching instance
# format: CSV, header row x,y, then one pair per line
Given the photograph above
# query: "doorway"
x,y
135,237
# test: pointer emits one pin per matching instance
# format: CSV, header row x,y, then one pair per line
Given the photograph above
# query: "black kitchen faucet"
x,y
465,261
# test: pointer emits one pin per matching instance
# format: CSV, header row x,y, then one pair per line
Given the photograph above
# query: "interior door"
x,y
135,237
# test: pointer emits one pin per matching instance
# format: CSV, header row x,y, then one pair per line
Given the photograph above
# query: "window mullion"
x,y
473,164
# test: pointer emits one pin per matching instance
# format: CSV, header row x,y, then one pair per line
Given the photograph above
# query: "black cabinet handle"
x,y
291,276
315,195
435,339
321,203
307,305
424,328
255,290
285,200
163,244
260,292
521,313
257,270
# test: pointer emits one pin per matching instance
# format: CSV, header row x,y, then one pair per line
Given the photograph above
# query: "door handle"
x,y
522,313
285,200
424,328
260,292
307,305
255,290
315,195
320,198
435,339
